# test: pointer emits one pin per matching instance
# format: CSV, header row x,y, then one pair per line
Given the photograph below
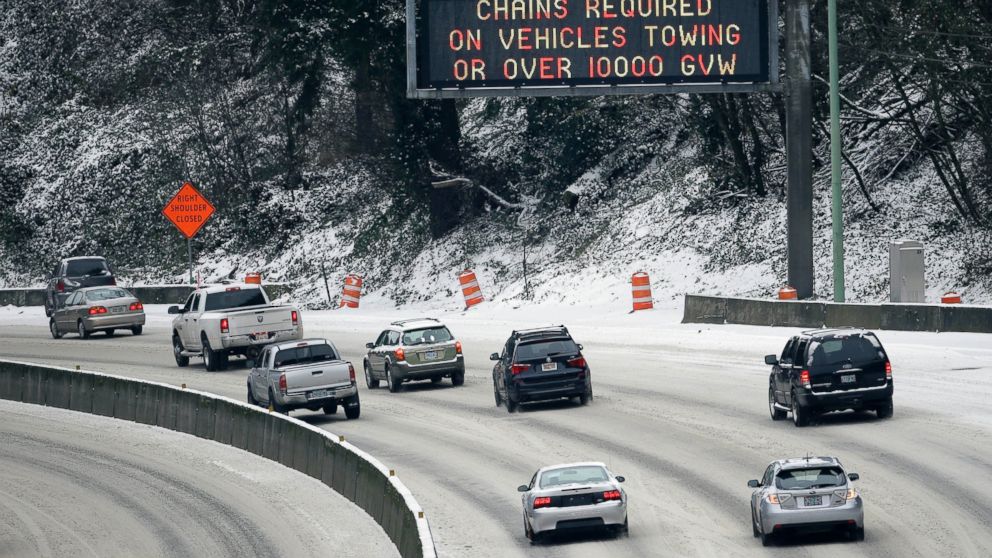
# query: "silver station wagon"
x,y
105,309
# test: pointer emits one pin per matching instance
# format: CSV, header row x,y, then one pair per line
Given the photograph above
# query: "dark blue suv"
x,y
539,365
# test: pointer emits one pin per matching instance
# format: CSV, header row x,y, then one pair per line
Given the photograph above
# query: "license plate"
x,y
320,394
848,378
431,355
811,501
549,367
117,309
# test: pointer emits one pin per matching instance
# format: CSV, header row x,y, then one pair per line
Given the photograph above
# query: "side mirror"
x,y
494,356
619,478
581,347
522,488
853,476
370,345
753,483
175,310
771,360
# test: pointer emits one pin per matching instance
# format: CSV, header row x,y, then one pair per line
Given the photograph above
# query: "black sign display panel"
x,y
468,44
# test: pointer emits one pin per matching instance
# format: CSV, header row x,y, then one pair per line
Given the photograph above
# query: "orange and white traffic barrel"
x,y
352,291
253,279
788,293
951,298
470,288
640,285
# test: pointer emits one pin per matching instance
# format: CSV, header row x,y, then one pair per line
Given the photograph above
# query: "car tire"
x,y
54,328
370,381
754,525
859,534
330,409
81,330
177,351
496,395
511,405
776,413
275,406
136,330
586,397
353,412
766,539
534,538
625,528
885,411
213,360
800,416
394,384
251,397
458,379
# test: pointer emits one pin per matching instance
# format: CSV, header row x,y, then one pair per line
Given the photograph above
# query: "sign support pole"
x,y
799,147
836,145
189,252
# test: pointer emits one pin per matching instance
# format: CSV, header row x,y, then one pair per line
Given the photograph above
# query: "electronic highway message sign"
x,y
471,47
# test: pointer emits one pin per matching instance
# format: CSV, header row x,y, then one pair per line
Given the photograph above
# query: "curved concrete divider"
x,y
147,294
813,314
310,450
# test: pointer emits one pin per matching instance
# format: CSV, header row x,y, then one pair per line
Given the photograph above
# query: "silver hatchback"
x,y
575,496
809,494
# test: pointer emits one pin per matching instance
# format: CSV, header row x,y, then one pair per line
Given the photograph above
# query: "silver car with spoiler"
x,y
575,496
809,494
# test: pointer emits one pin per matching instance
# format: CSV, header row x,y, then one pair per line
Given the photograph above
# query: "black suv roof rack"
x,y
539,330
404,322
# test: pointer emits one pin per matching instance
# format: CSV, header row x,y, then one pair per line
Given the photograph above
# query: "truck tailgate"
x,y
321,375
263,319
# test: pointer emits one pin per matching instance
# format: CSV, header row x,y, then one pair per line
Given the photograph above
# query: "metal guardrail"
x,y
346,469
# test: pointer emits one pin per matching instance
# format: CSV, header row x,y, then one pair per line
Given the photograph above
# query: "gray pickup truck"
x,y
307,374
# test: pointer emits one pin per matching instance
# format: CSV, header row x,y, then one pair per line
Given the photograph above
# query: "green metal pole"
x,y
835,155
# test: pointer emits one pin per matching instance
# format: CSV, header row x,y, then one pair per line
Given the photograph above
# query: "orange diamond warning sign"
x,y
188,210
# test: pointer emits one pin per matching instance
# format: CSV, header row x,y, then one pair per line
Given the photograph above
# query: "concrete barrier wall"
x,y
150,294
905,317
314,452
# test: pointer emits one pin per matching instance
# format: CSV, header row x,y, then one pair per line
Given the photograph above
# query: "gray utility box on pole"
x,y
907,279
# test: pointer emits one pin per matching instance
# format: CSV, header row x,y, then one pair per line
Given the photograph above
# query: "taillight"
x,y
458,347
296,318
400,354
542,502
60,286
611,495
804,379
97,310
518,368
351,372
282,383
888,370
225,326
577,362
135,306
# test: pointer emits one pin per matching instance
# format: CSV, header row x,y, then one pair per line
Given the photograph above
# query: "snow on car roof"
x,y
298,342
211,289
543,470
802,462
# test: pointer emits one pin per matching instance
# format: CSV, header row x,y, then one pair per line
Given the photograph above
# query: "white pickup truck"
x,y
223,320
305,374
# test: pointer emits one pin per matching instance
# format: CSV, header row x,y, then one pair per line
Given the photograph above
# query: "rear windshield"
x,y
106,294
573,475
426,335
814,477
83,268
854,349
544,349
305,355
235,299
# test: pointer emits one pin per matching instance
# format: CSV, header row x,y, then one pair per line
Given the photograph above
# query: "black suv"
x,y
75,273
830,370
538,365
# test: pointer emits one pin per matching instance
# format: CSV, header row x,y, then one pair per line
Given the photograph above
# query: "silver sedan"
x,y
98,309
809,494
573,496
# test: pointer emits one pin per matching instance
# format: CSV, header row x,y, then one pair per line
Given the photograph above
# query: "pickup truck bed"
x,y
306,374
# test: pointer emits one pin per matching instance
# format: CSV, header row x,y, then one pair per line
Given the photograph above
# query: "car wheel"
x,y
534,538
177,351
54,328
511,405
586,397
81,330
251,396
766,539
137,330
625,528
393,383
213,360
275,406
885,411
353,407
370,381
859,534
458,379
775,412
496,395
800,415
330,408
754,525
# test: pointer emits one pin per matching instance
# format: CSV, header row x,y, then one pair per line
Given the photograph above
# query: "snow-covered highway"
x,y
680,411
